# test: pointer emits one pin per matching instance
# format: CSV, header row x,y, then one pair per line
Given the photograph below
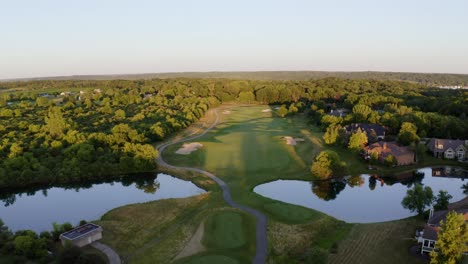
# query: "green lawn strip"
x,y
225,230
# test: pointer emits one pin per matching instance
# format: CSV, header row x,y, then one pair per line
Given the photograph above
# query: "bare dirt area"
x,y
194,245
188,148
266,110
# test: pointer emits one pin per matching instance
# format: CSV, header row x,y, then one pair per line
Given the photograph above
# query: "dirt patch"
x,y
266,110
292,141
226,112
188,148
194,245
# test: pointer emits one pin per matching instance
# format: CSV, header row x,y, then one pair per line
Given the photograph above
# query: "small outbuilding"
x,y
82,235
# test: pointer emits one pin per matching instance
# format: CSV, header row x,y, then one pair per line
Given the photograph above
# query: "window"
x,y
432,244
426,243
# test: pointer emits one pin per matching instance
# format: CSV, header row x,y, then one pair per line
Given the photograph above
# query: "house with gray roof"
x,y
372,130
448,148
428,237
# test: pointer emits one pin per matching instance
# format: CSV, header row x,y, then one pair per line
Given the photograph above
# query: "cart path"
x,y
109,252
261,227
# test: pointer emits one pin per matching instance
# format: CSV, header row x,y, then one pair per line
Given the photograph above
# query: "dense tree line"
x,y
423,78
108,128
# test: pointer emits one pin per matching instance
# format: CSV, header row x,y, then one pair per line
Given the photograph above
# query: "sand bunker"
x,y
188,148
266,110
292,141
226,112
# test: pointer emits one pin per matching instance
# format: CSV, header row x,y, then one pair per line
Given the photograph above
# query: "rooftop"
x,y
80,231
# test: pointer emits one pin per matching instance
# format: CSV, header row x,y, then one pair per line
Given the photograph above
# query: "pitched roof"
x,y
430,232
389,148
379,130
433,224
444,144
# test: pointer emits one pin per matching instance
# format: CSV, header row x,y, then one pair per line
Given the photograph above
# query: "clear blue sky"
x,y
57,37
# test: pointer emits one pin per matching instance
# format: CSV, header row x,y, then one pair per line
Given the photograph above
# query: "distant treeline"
x,y
433,79
84,129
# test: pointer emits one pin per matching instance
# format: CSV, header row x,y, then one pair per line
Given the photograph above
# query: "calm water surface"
x,y
365,198
36,210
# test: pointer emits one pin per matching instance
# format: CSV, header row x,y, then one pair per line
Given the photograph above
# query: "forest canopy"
x,y
72,130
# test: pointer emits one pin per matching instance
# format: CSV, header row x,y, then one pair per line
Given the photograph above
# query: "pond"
x,y
365,198
38,209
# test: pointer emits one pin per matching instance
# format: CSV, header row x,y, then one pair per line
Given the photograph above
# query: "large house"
x,y
428,236
403,155
372,130
448,148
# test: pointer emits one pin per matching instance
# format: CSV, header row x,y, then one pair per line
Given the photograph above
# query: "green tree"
x,y
361,112
358,140
5,233
246,97
408,134
282,111
442,200
120,114
15,150
451,240
327,164
390,160
332,134
55,123
418,198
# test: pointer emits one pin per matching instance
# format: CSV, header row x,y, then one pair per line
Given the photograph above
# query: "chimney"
x,y
431,213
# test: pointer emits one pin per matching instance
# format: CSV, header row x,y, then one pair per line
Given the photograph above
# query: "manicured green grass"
x,y
225,230
291,213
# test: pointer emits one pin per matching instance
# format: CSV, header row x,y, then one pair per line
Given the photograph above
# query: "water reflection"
x,y
36,209
146,182
365,198
329,189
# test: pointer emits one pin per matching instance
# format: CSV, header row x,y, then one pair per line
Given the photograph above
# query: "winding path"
x,y
261,228
109,252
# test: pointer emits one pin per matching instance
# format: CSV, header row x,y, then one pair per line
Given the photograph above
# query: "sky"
x,y
56,37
